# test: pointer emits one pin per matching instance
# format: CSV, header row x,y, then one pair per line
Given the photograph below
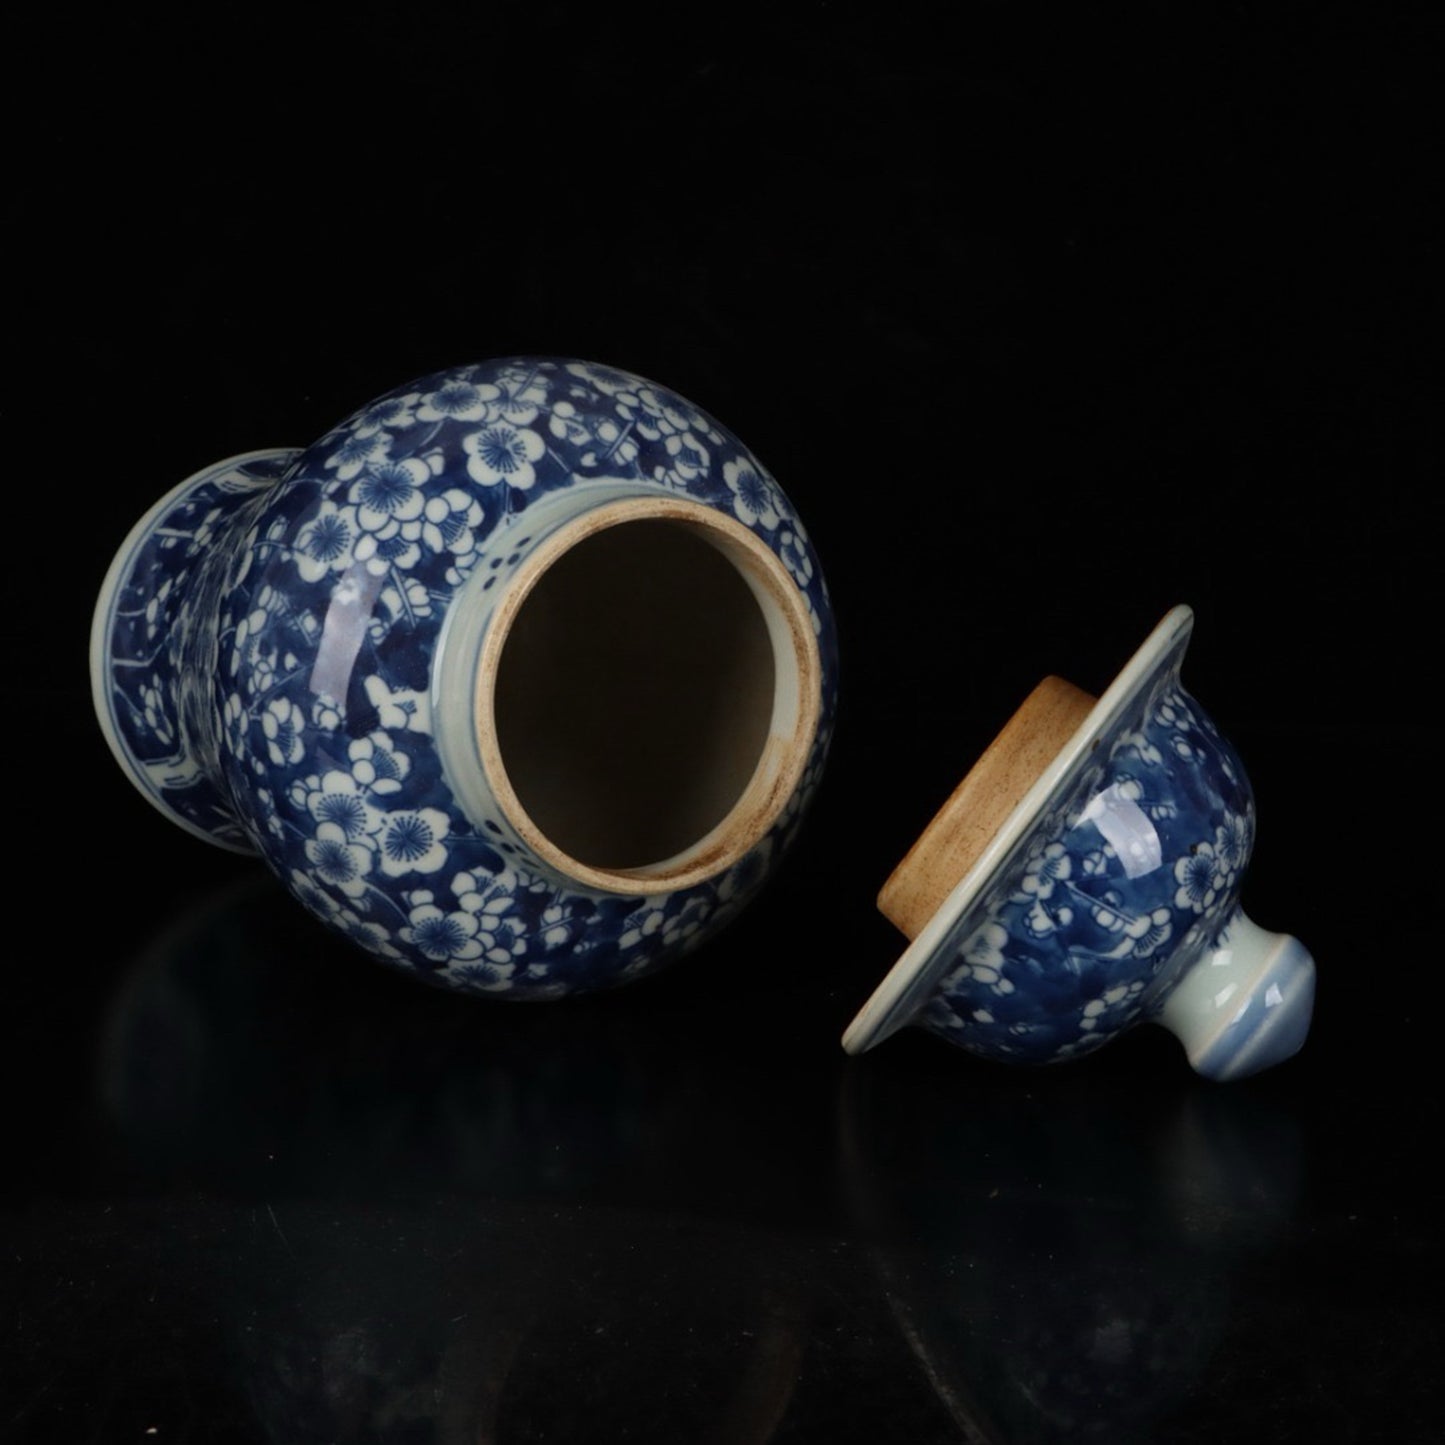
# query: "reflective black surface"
x,y
1044,328
261,1189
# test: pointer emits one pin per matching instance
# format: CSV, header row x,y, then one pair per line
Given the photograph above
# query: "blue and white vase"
x,y
1085,877
520,677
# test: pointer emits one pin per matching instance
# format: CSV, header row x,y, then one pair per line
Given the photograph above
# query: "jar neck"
x,y
154,641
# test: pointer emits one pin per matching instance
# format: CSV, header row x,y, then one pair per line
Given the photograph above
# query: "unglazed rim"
x,y
796,708
931,953
102,629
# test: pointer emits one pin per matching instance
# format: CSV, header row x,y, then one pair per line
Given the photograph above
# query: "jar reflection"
x,y
439,1221
241,1051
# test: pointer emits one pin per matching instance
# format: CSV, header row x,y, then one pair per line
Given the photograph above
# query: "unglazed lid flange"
x,y
965,839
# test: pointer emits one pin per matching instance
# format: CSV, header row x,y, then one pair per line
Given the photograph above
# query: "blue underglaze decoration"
x,y
158,659
268,651
1130,876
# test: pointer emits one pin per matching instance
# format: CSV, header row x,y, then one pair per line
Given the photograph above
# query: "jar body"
x,y
520,677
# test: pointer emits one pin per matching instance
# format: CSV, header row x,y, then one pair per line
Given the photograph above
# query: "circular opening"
x,y
653,695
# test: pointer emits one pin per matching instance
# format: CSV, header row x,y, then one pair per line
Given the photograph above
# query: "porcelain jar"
x,y
520,677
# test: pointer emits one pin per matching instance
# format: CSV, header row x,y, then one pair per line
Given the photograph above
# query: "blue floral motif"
x,y
327,542
1074,941
394,412
357,451
456,399
337,861
264,647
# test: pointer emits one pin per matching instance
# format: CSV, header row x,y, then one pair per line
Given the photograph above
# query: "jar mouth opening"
x,y
648,695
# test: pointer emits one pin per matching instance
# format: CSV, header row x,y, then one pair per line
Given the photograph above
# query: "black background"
x,y
1046,320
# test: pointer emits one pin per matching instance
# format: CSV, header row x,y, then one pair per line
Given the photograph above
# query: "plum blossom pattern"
x,y
1048,866
413,841
393,413
1069,945
1197,877
752,494
451,521
270,641
337,799
443,938
389,494
358,451
399,709
377,764
503,453
686,461
284,725
325,543
337,861
457,399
